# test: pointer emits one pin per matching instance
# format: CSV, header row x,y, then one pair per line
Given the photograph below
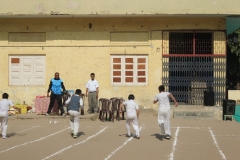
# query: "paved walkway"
x,y
39,139
35,116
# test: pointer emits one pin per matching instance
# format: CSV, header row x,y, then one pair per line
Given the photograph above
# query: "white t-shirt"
x,y
131,107
92,85
163,99
4,106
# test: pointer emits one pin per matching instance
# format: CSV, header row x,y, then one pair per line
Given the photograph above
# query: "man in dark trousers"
x,y
92,91
56,86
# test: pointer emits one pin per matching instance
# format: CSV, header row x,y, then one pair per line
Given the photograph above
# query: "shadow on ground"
x,y
158,136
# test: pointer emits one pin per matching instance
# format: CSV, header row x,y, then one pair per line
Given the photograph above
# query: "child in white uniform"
x,y
164,110
132,115
4,107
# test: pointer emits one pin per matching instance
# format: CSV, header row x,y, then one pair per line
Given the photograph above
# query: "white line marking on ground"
x,y
190,127
27,129
178,127
231,138
110,155
174,144
216,144
75,144
23,126
33,141
226,135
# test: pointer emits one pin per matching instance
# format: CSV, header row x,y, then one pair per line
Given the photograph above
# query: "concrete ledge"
x,y
194,115
92,117
124,7
190,112
197,112
181,112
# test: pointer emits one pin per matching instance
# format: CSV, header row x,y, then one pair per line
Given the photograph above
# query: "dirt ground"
x,y
37,139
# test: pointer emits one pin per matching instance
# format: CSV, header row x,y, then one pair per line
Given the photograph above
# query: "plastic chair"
x,y
104,106
114,109
116,102
83,98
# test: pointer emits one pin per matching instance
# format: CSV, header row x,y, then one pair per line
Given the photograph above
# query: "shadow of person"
x,y
14,134
158,136
126,135
79,134
122,134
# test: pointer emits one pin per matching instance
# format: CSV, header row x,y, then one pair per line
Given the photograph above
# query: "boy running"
x,y
132,115
164,110
75,102
4,107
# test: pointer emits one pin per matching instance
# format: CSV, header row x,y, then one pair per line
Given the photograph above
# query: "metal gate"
x,y
188,75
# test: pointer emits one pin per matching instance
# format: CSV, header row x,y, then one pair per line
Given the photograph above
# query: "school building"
x,y
131,46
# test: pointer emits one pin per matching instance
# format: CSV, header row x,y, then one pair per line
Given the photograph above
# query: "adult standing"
x,y
56,86
92,91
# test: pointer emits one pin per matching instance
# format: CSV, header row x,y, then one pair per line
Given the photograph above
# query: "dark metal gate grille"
x,y
188,77
203,43
180,43
190,68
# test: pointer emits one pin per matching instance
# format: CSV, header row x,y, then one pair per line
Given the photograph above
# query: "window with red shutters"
x,y
129,70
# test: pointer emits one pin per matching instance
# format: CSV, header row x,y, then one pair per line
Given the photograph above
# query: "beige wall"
x,y
75,50
234,95
123,7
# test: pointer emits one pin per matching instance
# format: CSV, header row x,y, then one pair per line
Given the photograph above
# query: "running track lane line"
x,y
33,141
174,144
27,129
216,144
110,155
75,144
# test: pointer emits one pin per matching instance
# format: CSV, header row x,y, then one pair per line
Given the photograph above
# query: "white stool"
x,y
225,116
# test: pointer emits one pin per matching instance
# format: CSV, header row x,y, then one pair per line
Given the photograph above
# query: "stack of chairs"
x,y
104,108
110,107
83,98
116,102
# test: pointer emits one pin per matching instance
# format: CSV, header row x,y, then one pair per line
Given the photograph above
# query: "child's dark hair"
x,y
78,91
92,74
5,96
161,88
131,97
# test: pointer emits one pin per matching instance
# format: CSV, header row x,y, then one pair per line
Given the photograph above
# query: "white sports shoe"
x,y
75,136
168,136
